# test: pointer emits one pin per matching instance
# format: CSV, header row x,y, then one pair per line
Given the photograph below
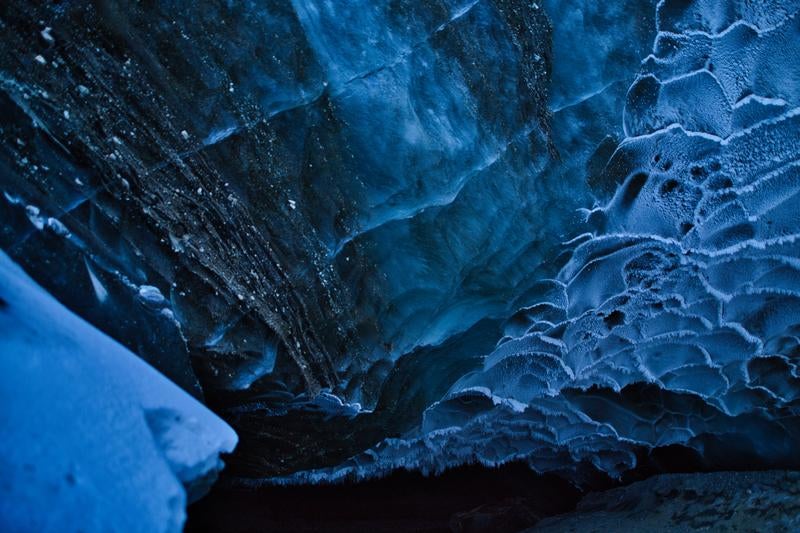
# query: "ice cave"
x,y
400,265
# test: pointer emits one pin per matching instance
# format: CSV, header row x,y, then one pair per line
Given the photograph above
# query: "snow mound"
x,y
94,439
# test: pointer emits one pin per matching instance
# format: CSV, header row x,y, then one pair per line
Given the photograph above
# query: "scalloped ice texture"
x,y
677,319
93,438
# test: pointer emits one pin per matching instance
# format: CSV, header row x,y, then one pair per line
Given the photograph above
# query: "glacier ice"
x,y
323,216
94,439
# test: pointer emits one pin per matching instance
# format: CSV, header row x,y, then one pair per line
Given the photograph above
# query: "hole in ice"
x,y
669,186
614,318
633,189
698,172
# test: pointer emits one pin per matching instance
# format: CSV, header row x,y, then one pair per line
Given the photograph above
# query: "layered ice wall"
x,y
93,438
675,321
288,200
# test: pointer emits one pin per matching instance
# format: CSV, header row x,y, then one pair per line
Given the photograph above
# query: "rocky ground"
x,y
722,501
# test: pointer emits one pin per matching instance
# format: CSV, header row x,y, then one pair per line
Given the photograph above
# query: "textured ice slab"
x,y
93,438
675,321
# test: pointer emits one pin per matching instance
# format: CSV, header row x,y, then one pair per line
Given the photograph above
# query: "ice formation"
x,y
93,438
324,215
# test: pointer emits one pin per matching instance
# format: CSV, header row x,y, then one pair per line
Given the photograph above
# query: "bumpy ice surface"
x,y
675,320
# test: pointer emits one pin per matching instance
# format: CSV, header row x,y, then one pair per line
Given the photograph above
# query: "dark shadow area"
x,y
511,497
471,498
